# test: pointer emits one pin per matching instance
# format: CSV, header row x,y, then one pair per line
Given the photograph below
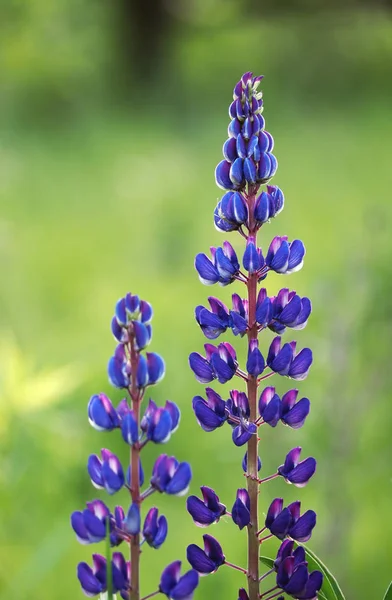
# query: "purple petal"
x,y
201,368
274,510
206,270
198,559
301,365
301,474
186,586
302,530
170,577
296,416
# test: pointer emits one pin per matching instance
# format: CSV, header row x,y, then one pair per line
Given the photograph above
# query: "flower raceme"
x,y
249,163
133,371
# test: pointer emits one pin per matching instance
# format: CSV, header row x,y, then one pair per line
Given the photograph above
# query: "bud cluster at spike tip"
x,y
132,319
248,150
138,423
245,208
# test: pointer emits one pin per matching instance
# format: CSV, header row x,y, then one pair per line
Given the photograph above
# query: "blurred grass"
x,y
115,201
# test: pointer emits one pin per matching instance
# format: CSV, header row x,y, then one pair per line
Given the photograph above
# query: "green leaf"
x,y
108,562
268,562
388,593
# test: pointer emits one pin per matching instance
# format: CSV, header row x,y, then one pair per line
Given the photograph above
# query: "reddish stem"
x,y
252,385
228,564
135,483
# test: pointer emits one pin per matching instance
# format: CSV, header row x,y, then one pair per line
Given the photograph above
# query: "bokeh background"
x,y
112,120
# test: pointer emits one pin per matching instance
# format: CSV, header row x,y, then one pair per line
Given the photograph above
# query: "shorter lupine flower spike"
x,y
245,462
131,522
207,560
210,413
220,363
238,414
102,414
241,509
223,268
285,257
170,476
154,528
106,473
207,511
284,522
295,472
90,525
285,361
243,594
176,587
268,204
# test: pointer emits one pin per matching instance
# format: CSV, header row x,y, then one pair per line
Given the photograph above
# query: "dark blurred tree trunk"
x,y
144,29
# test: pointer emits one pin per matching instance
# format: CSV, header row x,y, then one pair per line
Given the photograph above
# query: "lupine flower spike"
x,y
134,372
248,164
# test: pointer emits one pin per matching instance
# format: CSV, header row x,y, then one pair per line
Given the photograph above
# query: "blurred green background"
x,y
112,120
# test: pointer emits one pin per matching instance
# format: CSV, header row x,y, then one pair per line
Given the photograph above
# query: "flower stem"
x,y
252,384
135,483
151,595
228,564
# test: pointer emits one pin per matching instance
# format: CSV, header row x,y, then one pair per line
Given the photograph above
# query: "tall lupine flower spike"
x,y
248,164
133,371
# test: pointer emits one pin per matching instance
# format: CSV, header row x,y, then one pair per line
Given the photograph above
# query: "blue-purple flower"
x,y
293,578
106,472
207,560
159,423
210,413
90,524
219,363
240,512
296,472
176,587
207,511
155,528
288,521
222,268
102,414
94,580
238,415
170,476
285,257
268,204
288,410
285,361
